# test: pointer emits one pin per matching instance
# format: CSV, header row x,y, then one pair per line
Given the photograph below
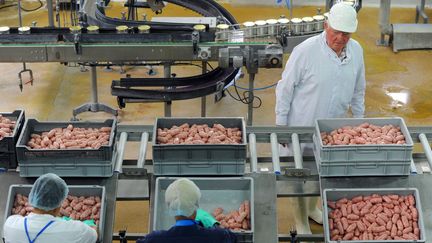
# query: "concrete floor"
x,y
58,89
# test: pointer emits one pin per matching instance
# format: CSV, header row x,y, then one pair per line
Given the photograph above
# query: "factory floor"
x,y
397,85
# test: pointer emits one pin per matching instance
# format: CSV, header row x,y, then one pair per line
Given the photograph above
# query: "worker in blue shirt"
x,y
182,197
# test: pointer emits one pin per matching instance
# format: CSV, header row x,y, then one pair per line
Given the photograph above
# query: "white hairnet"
x,y
182,197
48,192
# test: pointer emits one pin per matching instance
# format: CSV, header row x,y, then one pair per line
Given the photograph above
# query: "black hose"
x,y
8,6
34,9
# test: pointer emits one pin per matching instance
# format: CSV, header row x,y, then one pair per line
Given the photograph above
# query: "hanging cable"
x,y
34,9
261,88
8,6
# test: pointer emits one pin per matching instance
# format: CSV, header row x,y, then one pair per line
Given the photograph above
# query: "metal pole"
x,y
251,98
120,152
167,74
94,85
298,159
253,153
143,150
275,153
19,13
384,21
426,147
203,99
50,13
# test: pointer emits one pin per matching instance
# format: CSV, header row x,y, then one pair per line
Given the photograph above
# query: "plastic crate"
x,y
199,159
227,193
65,162
82,190
336,194
362,160
8,158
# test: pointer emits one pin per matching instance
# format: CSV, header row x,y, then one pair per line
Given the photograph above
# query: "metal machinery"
x,y
405,36
231,45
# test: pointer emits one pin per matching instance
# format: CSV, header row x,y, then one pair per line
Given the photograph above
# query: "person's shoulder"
x,y
13,219
307,45
153,236
355,45
219,232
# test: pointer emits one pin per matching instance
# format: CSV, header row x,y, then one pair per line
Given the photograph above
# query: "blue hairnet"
x,y
48,192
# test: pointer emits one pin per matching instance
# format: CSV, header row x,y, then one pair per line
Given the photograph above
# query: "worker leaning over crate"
x,y
193,225
43,225
323,78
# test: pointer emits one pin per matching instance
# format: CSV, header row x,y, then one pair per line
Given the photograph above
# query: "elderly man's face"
x,y
336,40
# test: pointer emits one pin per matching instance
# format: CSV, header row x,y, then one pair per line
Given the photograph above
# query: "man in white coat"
x,y
323,78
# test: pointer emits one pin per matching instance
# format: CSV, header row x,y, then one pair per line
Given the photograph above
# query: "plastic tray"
x,y
8,158
196,159
84,190
65,162
362,160
227,193
336,194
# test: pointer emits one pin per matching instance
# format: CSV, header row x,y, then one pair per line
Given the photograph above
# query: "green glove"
x,y
89,222
205,218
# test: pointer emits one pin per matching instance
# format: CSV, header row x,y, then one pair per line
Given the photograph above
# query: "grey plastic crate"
x,y
8,158
362,160
82,190
199,159
65,162
67,170
336,194
227,193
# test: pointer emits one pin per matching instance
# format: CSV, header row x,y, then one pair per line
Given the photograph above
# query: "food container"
x,y
297,26
261,26
82,190
308,23
318,22
249,29
122,29
4,30
199,159
364,159
65,162
272,27
144,29
222,32
225,192
75,29
93,29
336,194
326,15
24,30
284,23
199,27
8,156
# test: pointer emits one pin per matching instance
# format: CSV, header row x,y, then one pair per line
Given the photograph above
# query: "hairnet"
x,y
48,192
182,197
343,17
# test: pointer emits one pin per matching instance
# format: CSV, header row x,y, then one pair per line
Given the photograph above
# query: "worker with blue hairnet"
x,y
43,225
323,78
192,224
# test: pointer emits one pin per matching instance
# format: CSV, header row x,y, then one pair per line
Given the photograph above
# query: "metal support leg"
x,y
204,98
420,12
275,153
50,13
251,99
384,22
94,106
167,74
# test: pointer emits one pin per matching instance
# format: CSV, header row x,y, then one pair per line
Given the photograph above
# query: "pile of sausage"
x,y
6,127
71,138
199,134
234,220
364,134
374,217
78,208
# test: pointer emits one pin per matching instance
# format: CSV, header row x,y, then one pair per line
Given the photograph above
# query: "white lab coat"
x,y
317,84
59,232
